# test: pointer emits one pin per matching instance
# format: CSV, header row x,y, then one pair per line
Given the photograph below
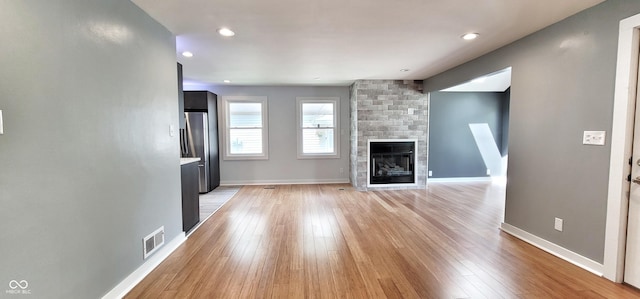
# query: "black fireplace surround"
x,y
392,162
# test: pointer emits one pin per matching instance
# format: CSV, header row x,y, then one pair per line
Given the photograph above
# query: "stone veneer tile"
x,y
379,110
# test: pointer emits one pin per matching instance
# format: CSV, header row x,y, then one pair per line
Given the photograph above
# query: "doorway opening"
x,y
469,130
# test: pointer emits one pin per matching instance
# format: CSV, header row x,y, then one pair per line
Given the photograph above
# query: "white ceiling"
x,y
293,42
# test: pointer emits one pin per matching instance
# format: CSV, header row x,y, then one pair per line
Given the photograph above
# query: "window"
x,y
318,132
245,128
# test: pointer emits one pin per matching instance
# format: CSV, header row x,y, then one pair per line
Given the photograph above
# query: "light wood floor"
x,y
329,241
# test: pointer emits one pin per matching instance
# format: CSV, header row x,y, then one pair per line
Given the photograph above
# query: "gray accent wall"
x,y
562,84
283,166
88,90
453,152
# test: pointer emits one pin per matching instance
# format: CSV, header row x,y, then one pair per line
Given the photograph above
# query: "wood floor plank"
x,y
331,241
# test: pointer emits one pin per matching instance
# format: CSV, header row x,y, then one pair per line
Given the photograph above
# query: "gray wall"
x,y
562,84
283,164
453,152
87,167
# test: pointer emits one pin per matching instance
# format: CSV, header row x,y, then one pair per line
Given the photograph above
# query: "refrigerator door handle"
x,y
184,143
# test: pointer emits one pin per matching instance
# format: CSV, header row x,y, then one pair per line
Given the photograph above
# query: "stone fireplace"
x,y
393,111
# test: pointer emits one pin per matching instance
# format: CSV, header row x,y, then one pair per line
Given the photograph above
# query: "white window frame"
x,y
224,105
336,127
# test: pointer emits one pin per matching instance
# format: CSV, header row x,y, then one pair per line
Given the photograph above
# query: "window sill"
x,y
242,158
318,156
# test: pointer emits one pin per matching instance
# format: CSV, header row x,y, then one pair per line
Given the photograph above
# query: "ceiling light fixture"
x,y
227,81
224,31
404,70
470,36
187,54
316,78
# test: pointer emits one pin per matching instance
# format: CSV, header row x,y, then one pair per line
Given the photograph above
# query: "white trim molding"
x,y
621,146
460,180
284,182
559,251
126,285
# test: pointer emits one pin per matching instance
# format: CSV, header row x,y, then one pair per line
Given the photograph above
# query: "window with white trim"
x,y
318,132
245,128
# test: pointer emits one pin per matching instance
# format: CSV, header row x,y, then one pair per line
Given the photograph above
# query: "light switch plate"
x,y
593,137
172,130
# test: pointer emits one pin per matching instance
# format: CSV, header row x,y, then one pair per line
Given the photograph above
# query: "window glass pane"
x,y
317,141
317,115
245,115
245,141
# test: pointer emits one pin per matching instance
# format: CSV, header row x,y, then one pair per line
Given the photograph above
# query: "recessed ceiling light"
x,y
227,81
316,78
187,54
470,36
404,70
226,32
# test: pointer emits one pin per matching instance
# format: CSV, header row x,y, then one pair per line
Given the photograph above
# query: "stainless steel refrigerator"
x,y
195,144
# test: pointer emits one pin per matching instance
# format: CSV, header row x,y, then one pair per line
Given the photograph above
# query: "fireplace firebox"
x,y
392,162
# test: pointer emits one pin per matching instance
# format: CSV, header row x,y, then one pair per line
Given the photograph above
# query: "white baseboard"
x,y
459,180
134,278
285,182
552,248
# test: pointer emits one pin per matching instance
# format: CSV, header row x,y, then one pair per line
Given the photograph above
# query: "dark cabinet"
x,y
198,101
190,196
205,101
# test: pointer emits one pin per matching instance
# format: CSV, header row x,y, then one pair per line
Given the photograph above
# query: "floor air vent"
x,y
152,242
269,187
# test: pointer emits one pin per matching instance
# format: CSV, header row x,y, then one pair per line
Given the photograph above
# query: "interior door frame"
x,y
621,147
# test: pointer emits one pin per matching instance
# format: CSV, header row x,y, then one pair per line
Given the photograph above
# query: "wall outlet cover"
x,y
558,224
593,137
